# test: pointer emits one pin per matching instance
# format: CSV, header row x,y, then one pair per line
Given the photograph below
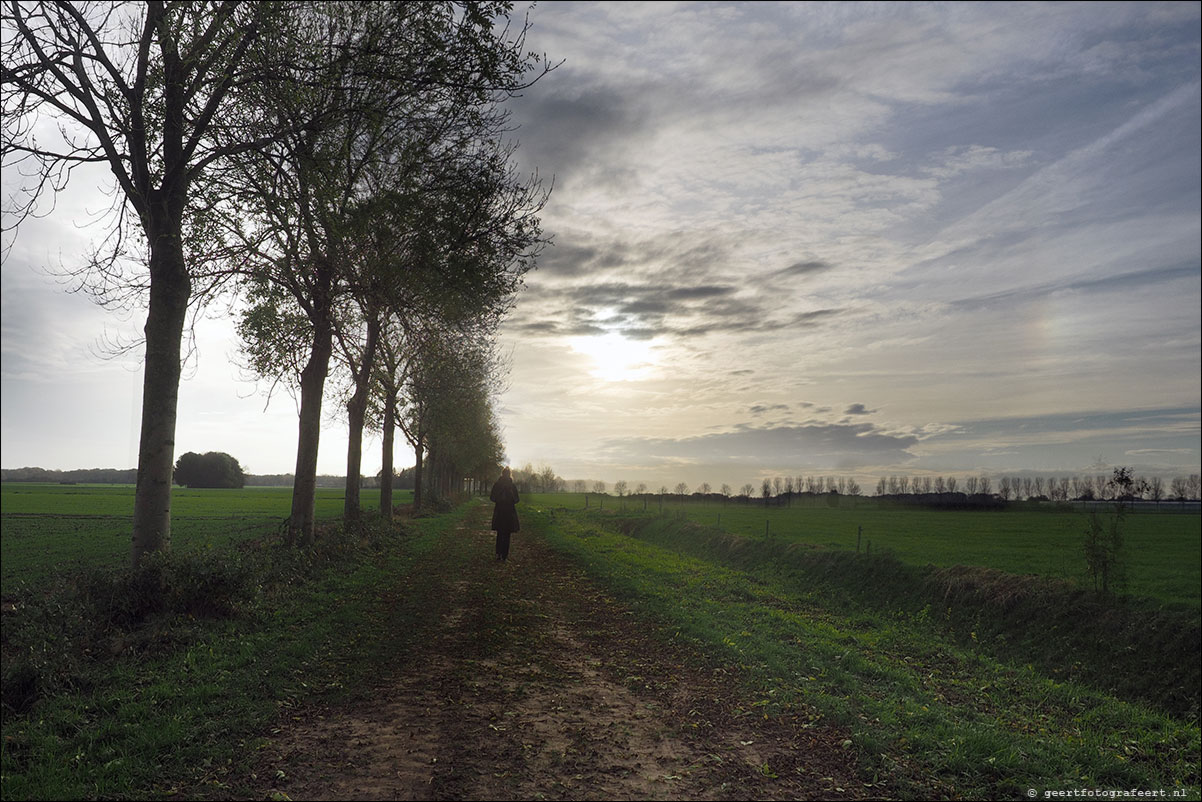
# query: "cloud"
x,y
764,409
669,285
858,409
960,159
805,268
574,125
846,446
1120,283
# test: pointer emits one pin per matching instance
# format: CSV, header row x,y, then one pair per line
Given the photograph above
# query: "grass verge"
x,y
931,715
113,689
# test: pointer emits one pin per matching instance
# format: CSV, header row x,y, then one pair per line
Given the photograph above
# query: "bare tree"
x,y
154,92
620,487
746,490
1156,488
1181,488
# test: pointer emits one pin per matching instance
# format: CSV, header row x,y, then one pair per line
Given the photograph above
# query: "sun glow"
x,y
615,358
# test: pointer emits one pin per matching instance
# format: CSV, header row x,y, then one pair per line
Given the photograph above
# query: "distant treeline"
x,y
129,476
99,476
401,481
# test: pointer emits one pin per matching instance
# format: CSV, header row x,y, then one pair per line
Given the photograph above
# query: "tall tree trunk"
x,y
386,456
356,411
170,290
418,448
304,487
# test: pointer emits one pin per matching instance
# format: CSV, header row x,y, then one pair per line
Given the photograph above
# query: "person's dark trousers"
x,y
503,545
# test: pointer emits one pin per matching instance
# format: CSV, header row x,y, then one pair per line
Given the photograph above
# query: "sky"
x,y
788,239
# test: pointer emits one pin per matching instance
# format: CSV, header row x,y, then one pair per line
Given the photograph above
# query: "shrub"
x,y
1104,552
54,635
166,583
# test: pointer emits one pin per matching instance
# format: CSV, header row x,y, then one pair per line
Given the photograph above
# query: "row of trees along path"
x,y
526,681
341,170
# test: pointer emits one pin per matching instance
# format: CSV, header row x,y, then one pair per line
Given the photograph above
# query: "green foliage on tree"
x,y
212,469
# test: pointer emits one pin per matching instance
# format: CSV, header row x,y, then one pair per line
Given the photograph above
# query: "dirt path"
x,y
533,684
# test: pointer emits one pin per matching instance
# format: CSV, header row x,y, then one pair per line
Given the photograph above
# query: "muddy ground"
x,y
532,683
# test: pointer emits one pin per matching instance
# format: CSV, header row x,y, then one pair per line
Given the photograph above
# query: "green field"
x,y
940,696
1163,550
44,528
937,710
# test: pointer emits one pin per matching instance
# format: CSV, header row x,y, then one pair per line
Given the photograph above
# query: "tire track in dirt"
x,y
532,683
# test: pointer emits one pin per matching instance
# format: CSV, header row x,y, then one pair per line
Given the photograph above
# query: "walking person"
x,y
504,515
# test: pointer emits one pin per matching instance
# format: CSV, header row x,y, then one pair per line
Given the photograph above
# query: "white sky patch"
x,y
616,358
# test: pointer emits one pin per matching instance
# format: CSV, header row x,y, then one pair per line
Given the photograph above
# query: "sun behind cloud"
x,y
616,358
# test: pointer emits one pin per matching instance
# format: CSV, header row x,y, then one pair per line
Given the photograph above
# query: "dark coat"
x,y
505,515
